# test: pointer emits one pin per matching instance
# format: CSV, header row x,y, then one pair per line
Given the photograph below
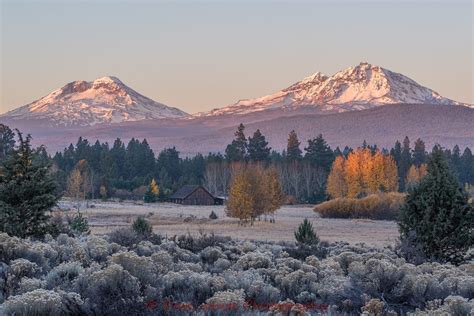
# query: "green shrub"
x,y
78,224
142,227
438,212
305,234
382,206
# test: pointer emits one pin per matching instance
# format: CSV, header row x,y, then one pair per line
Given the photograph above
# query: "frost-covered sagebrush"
x,y
92,275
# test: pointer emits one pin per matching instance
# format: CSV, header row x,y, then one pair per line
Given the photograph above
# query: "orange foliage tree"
x,y
362,173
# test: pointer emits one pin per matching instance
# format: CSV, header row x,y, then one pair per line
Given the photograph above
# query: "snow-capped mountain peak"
x,y
355,88
104,100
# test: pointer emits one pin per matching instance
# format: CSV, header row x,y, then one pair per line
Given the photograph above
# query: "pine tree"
x,y
305,234
438,214
7,141
27,193
237,150
405,162
467,163
142,227
293,151
152,192
319,153
455,161
419,153
258,149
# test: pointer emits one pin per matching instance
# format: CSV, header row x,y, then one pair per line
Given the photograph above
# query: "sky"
x,y
200,55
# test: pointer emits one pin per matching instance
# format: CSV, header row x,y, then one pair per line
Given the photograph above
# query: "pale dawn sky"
x,y
205,54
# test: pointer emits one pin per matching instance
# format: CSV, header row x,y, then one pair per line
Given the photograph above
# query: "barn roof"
x,y
187,190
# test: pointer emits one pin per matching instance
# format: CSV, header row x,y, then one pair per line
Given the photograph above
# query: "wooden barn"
x,y
194,195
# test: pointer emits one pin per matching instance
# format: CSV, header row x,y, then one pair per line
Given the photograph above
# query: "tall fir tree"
x,y
467,163
258,149
319,154
27,192
405,162
419,153
293,151
7,141
437,212
237,150
455,161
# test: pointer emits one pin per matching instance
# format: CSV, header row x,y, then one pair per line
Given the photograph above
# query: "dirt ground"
x,y
172,219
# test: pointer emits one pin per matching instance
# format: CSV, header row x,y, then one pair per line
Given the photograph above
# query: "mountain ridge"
x,y
355,88
105,100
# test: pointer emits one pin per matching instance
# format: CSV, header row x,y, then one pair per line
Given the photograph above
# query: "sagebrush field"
x,y
172,219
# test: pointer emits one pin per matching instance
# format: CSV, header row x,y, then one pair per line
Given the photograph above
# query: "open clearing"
x,y
173,219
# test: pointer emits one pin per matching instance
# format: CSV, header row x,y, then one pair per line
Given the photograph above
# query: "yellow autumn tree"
x,y
336,183
356,171
254,191
272,191
242,198
152,193
362,173
383,175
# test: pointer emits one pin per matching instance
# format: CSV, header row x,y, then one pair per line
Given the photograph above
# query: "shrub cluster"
x,y
112,275
383,206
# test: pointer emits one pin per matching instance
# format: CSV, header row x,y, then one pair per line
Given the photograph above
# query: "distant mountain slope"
x,y
446,125
356,88
81,103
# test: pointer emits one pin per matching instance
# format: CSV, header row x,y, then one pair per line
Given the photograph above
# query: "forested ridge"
x,y
125,170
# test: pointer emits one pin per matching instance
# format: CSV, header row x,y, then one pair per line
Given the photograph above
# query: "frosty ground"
x,y
173,219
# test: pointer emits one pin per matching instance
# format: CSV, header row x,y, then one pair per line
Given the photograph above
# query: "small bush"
x,y
142,227
78,224
383,206
213,215
123,236
112,291
37,302
305,234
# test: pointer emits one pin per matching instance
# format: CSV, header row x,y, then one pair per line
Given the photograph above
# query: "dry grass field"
x,y
172,219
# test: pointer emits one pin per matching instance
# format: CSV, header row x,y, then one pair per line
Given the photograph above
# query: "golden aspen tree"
x,y
336,183
272,191
242,198
354,175
390,178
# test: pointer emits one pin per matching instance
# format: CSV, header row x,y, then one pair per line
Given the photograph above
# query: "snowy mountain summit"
x,y
104,100
355,88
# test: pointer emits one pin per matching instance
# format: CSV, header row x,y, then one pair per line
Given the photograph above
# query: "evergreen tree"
x,y
338,152
405,162
293,151
319,154
305,234
27,193
467,163
258,149
455,161
237,150
437,213
419,153
7,141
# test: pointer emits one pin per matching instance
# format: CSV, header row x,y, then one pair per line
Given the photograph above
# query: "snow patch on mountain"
x,y
355,88
104,100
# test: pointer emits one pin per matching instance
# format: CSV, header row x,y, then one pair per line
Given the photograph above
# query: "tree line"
x,y
126,170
